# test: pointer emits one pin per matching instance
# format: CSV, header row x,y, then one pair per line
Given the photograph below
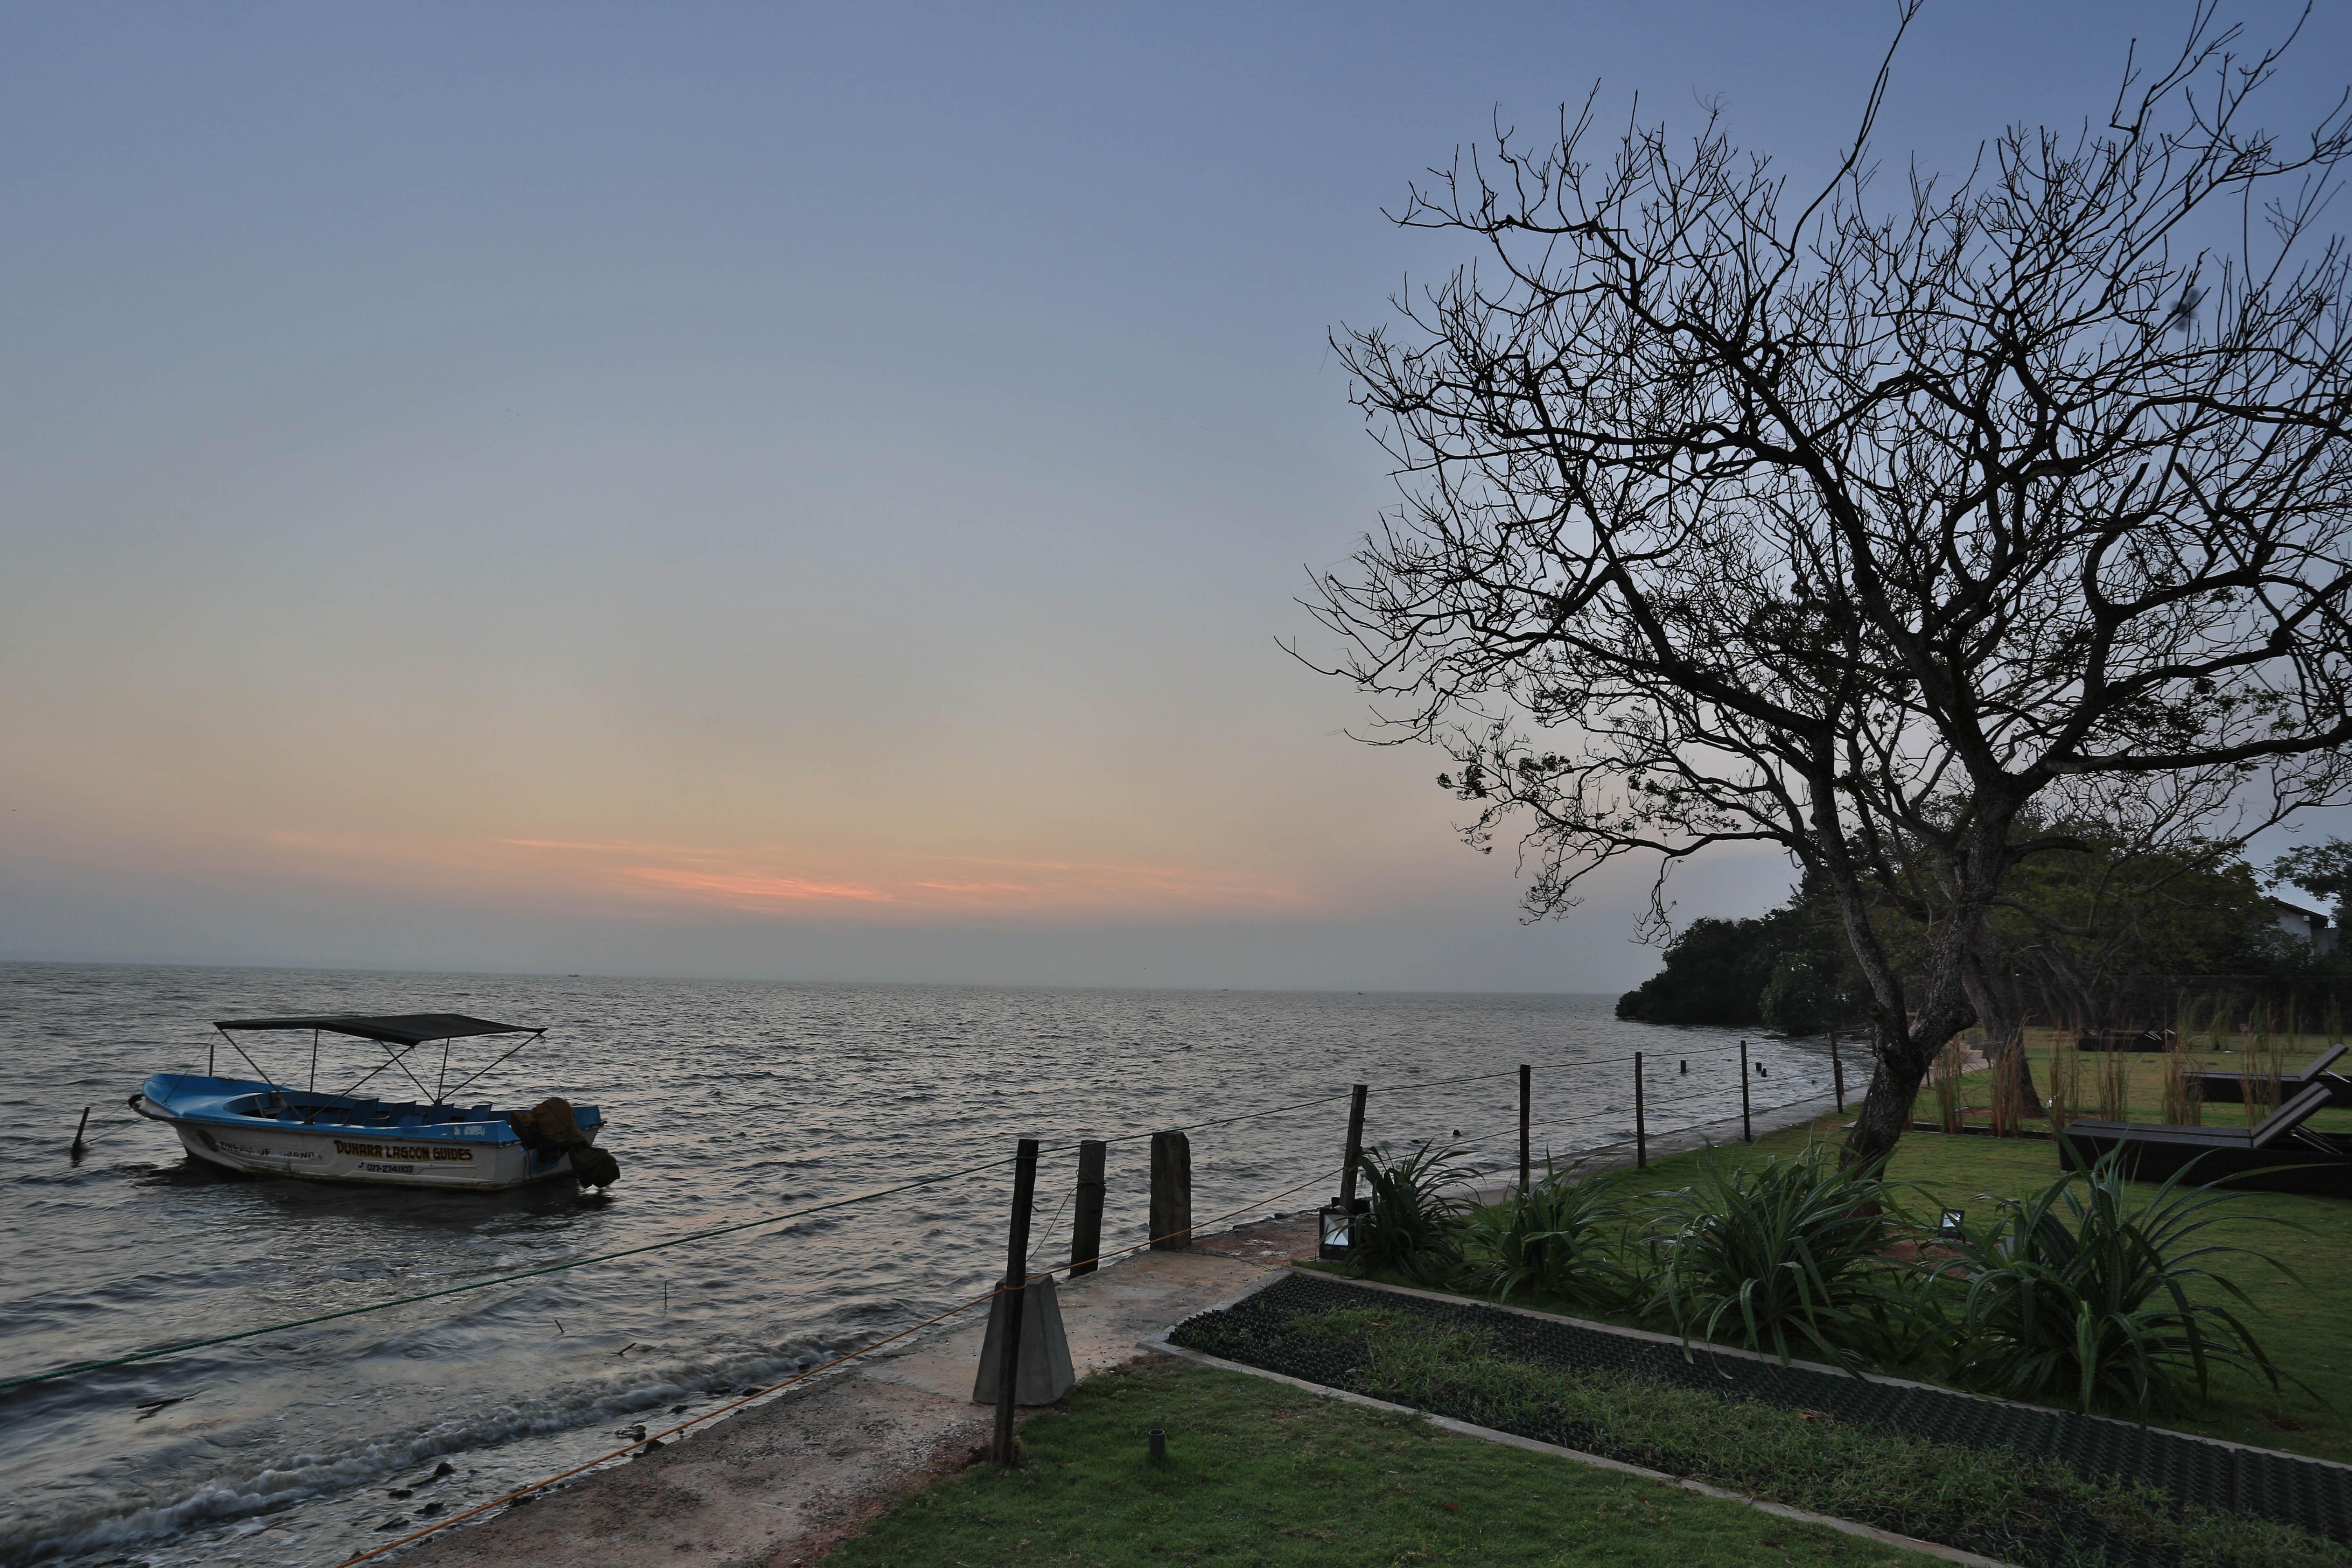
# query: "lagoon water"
x,y
724,1101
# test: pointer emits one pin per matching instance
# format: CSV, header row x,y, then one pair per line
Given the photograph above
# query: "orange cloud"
x,y
787,880
750,885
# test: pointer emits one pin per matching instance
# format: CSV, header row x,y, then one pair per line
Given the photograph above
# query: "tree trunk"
x,y
1992,991
1885,1113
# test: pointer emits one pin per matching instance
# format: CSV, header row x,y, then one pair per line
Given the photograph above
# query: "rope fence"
x,y
654,1439
1261,1204
177,1347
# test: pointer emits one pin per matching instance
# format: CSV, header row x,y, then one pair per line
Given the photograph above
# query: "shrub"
x,y
2066,1082
1549,1240
1943,1077
2074,1294
1790,1250
1413,1227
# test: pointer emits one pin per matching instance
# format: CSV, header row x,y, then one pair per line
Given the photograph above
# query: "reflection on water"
x,y
725,1101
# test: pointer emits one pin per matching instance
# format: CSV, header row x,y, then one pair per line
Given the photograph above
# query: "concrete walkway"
x,y
778,1483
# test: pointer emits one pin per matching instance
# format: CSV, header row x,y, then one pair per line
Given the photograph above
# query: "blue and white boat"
x,y
267,1127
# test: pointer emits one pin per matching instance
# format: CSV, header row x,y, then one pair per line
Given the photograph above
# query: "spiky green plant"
x,y
1792,1252
1414,1225
2082,1294
1554,1240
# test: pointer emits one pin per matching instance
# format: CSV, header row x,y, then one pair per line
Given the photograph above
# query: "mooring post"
x,y
1837,1072
1747,1122
1640,1126
1526,1096
82,1127
1086,1223
1016,1280
1171,1220
1355,1148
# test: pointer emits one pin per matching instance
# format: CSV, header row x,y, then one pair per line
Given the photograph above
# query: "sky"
x,y
802,491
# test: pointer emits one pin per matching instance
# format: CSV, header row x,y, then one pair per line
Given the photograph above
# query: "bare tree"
x,y
1859,526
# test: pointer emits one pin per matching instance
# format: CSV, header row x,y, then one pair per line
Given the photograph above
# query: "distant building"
x,y
2308,926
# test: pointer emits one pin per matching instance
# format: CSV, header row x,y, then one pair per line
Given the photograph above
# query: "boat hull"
x,y
479,1153
285,1151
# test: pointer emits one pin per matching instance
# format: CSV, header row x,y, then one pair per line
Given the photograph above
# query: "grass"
x,y
2307,1328
1259,1473
2018,1510
2146,1089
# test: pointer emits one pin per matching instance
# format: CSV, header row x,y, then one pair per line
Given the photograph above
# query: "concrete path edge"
x,y
1159,1344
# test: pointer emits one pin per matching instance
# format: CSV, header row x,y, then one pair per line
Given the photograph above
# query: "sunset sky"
x,y
786,490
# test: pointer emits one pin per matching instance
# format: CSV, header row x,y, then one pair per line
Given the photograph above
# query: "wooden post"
x,y
81,1128
1837,1072
1747,1123
1641,1127
1016,1280
1170,1222
1355,1148
1086,1223
1526,1096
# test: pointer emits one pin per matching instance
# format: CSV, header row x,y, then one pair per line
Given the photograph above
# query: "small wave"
x,y
309,1478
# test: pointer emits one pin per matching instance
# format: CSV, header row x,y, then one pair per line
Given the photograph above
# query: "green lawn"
x,y
2144,1076
2307,1327
1262,1473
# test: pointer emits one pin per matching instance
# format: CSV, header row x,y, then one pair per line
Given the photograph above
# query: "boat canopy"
x,y
397,1028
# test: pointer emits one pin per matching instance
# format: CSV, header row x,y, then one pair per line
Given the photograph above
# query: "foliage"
x,y
1261,1473
1556,1239
1873,519
1944,1079
2323,870
1715,973
2084,1294
2024,1510
2184,1098
1787,969
2092,909
1413,1228
1787,1253
2081,912
2064,1079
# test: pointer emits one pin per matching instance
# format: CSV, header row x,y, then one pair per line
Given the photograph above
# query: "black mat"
x,y
2306,1493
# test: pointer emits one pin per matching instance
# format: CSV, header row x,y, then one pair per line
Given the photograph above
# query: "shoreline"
x,y
778,1484
775,1485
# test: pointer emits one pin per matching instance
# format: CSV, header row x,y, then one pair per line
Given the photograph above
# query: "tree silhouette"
x,y
1874,529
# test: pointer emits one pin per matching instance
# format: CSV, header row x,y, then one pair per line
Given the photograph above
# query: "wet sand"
x,y
777,1484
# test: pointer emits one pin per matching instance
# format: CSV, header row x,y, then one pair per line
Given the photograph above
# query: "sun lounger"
x,y
2221,1087
2278,1154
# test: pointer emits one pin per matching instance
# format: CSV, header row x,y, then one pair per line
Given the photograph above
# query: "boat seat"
x,y
412,1120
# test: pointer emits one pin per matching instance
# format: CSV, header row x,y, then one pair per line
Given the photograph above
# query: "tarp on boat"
x,y
396,1028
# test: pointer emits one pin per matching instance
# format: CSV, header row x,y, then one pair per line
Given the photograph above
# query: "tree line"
x,y
2076,929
